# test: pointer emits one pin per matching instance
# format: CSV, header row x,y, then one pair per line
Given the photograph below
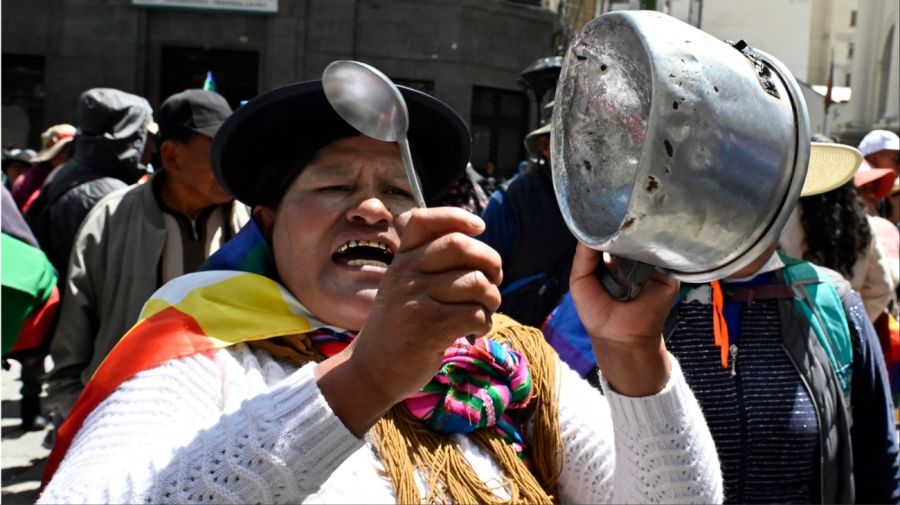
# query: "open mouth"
x,y
364,253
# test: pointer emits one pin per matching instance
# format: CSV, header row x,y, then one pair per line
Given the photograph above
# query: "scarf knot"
x,y
479,385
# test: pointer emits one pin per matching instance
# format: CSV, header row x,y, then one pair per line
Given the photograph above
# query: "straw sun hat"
x,y
830,167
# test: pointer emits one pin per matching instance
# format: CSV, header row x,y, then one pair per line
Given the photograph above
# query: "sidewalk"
x,y
21,453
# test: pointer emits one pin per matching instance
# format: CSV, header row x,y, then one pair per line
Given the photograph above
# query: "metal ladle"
x,y
370,102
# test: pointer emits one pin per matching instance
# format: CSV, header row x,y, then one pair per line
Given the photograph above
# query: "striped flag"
x,y
195,313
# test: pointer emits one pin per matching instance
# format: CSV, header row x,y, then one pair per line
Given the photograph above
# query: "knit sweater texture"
x,y
237,426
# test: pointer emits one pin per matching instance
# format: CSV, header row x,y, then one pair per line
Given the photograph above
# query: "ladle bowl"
x,y
370,102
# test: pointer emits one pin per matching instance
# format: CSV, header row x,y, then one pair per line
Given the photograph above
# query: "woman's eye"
x,y
399,192
338,189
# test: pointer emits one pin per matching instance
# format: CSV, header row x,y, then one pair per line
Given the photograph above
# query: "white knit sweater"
x,y
237,426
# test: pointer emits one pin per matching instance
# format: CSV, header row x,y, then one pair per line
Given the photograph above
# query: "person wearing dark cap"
x,y
322,355
113,147
136,239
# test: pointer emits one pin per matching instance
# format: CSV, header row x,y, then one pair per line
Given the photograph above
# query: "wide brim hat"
x,y
881,179
531,139
53,140
266,143
50,152
20,155
830,167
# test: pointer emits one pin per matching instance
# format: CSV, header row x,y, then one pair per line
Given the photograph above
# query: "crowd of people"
x,y
247,306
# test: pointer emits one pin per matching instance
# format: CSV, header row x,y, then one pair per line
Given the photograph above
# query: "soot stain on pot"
x,y
652,183
675,105
670,150
587,165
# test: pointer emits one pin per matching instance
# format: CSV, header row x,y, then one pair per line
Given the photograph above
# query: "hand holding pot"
x,y
626,336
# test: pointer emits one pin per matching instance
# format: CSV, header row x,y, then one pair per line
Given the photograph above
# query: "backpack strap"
x,y
817,300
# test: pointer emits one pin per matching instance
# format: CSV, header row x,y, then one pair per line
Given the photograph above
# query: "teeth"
x,y
366,243
358,263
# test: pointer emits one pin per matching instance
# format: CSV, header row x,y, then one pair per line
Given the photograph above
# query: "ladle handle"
x,y
411,176
623,278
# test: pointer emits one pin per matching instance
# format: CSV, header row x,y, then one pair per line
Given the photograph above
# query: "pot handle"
x,y
623,278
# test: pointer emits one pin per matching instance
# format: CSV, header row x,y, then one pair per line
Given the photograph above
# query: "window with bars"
x,y
499,122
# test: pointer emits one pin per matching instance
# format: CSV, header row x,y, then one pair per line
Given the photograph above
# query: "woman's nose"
x,y
370,210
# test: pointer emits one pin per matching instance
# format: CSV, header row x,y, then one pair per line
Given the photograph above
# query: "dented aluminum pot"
x,y
673,148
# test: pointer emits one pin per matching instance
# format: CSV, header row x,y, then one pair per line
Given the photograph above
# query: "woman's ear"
x,y
265,219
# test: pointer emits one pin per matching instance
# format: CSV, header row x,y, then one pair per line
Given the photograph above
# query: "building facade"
x,y
876,70
466,52
851,43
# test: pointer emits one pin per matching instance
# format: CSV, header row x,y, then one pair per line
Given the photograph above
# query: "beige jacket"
x,y
113,270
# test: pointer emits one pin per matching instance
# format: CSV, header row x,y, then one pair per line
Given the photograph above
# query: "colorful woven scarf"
x,y
479,385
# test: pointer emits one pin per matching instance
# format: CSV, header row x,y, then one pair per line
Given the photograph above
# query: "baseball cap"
x,y
879,140
192,111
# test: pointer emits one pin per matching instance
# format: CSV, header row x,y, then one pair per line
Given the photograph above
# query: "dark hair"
x,y
836,228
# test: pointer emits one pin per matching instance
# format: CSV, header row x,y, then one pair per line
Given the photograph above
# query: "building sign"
x,y
261,6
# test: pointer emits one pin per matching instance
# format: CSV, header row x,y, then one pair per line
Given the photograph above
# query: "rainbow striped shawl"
x,y
196,313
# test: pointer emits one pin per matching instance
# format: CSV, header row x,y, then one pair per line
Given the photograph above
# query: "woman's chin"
x,y
351,314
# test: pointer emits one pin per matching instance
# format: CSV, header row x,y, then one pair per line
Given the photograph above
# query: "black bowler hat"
x,y
265,144
192,111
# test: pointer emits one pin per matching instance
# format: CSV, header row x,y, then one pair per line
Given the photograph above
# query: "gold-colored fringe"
x,y
406,446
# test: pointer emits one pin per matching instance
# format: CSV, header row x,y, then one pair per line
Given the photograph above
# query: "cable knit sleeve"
x,y
226,428
661,451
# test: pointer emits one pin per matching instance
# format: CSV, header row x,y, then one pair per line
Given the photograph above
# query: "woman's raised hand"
x,y
626,336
